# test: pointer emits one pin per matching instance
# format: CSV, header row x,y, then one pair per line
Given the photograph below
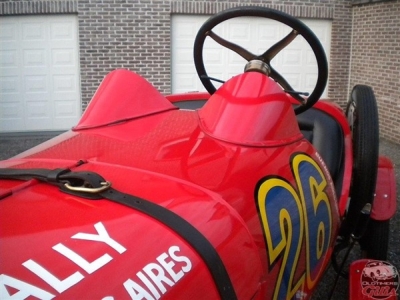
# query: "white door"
x,y
296,62
39,73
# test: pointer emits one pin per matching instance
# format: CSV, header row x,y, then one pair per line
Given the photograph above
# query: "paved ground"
x,y
10,146
392,151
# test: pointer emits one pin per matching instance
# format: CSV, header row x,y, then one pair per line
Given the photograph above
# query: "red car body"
x,y
239,170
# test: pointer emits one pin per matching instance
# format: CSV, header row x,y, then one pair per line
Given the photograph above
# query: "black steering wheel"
x,y
298,28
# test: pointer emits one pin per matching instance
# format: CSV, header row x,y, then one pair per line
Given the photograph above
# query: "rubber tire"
x,y
362,113
375,242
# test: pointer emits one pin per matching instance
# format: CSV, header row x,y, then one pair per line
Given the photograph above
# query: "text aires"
x,y
150,283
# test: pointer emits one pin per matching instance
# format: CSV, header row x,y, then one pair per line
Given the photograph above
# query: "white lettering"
x,y
24,289
136,291
149,285
89,267
157,274
59,285
102,236
172,250
168,266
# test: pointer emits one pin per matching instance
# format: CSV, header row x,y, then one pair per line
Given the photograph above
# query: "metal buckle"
x,y
105,185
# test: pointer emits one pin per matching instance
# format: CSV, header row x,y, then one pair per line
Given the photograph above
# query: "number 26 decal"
x,y
290,217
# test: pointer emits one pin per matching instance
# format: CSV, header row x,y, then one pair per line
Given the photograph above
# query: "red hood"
x,y
189,162
66,245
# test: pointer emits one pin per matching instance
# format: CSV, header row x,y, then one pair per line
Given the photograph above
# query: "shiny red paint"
x,y
125,88
384,206
231,113
364,287
213,166
190,96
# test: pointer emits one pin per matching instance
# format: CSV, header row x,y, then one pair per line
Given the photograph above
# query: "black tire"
x,y
375,242
362,114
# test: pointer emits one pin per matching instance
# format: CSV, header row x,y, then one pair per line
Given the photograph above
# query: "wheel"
x,y
299,28
375,242
362,115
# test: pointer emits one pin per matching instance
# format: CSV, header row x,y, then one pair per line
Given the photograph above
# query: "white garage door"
x,y
39,73
296,62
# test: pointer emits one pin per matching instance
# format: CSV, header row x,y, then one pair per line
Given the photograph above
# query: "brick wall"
x,y
124,34
376,59
136,34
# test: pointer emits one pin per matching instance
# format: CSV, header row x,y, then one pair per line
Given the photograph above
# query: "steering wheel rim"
x,y
256,11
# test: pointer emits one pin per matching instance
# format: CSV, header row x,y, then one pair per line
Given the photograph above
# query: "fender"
x,y
384,206
364,285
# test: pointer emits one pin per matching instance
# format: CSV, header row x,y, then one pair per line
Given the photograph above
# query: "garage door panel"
x,y
8,59
33,31
9,110
213,56
11,116
185,56
37,109
9,86
36,125
186,29
240,32
292,58
40,56
34,58
63,57
36,84
62,31
38,116
60,121
268,32
188,83
65,108
9,32
64,85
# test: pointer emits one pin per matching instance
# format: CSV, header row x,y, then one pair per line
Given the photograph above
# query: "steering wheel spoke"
x,y
276,48
236,48
286,86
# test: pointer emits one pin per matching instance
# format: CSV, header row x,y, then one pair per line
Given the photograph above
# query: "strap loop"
x,y
91,190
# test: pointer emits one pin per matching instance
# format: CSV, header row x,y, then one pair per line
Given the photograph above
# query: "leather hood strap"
x,y
91,185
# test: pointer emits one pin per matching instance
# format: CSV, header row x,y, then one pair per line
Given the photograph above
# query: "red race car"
x,y
245,192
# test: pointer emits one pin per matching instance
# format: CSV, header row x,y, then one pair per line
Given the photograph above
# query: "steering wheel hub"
x,y
257,65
